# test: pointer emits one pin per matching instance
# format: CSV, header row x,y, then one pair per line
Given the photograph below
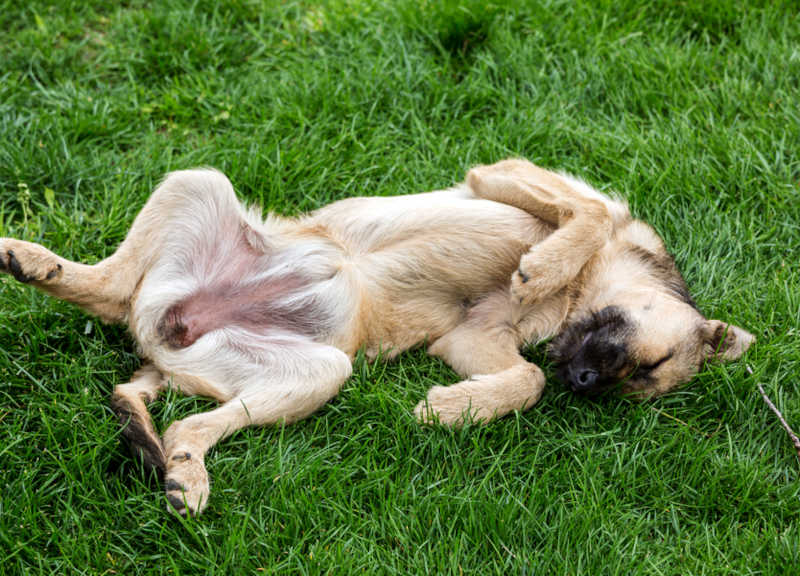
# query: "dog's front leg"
x,y
584,222
485,349
483,397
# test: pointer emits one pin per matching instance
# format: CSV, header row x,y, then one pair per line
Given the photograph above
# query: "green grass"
x,y
689,110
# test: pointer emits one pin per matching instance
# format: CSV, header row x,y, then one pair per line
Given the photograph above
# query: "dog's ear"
x,y
725,342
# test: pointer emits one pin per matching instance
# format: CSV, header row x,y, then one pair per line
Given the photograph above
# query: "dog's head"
x,y
614,349
642,334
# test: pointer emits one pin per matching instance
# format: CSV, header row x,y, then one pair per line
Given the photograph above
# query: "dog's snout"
x,y
582,379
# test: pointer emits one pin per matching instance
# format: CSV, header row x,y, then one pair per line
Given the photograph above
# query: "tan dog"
x,y
266,315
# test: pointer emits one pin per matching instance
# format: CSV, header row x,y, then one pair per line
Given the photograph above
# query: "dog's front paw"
x,y
530,284
186,484
447,405
483,397
28,262
521,288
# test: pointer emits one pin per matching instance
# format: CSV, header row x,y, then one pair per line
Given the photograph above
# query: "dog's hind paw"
x,y
186,485
28,262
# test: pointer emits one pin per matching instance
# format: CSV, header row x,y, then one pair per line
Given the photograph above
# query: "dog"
x,y
266,314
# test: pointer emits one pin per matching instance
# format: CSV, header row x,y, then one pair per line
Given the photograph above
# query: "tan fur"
x,y
510,257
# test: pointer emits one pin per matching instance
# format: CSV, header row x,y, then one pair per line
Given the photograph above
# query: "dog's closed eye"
x,y
644,369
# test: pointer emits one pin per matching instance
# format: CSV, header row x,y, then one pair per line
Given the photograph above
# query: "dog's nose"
x,y
582,379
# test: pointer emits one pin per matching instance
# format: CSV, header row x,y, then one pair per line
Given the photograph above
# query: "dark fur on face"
x,y
663,267
591,352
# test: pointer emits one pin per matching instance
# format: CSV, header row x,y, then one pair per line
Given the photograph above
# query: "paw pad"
x,y
16,269
176,496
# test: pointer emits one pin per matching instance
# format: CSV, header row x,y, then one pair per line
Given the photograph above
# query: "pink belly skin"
x,y
257,307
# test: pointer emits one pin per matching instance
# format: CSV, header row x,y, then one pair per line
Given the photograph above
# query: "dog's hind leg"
x,y
168,220
584,221
129,402
305,379
90,287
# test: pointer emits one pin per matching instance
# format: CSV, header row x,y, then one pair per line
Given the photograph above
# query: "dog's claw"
x,y
182,457
54,272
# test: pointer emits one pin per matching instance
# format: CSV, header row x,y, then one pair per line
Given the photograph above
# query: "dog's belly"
x,y
447,241
271,304
212,288
426,259
374,272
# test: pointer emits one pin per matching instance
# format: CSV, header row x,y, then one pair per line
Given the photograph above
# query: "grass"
x,y
689,110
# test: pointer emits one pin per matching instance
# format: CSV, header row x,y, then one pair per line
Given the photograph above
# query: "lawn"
x,y
689,110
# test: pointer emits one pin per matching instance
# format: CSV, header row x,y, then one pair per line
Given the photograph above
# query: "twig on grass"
x,y
514,556
789,431
682,423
